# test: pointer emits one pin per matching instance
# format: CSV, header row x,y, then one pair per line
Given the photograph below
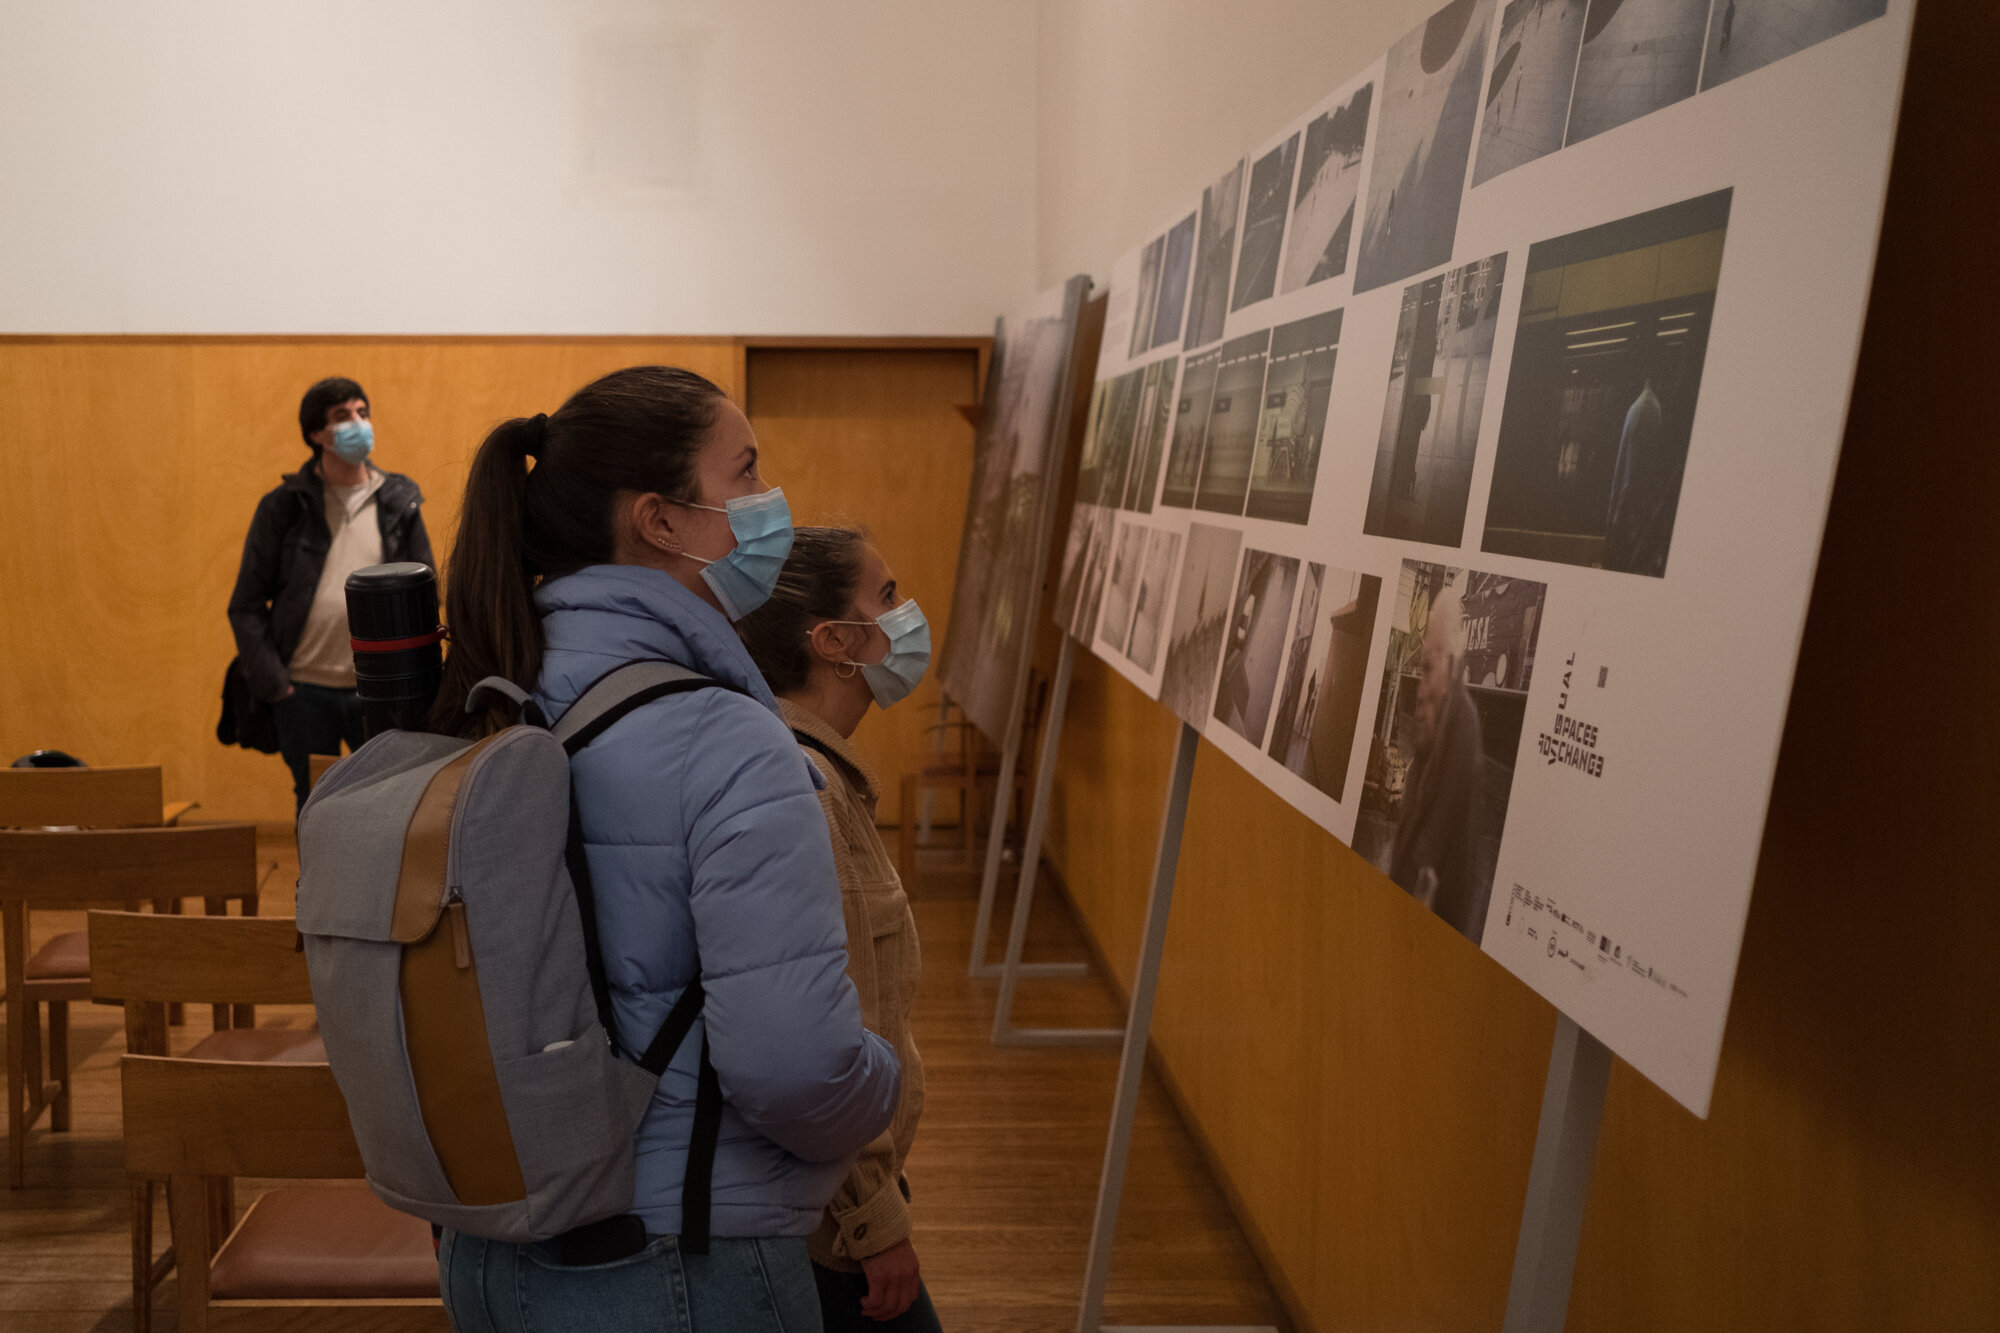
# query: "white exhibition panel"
x,y
1596,415
1018,453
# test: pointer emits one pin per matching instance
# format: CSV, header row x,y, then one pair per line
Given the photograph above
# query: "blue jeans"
x,y
315,720
753,1285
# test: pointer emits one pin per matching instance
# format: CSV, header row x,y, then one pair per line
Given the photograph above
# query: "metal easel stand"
x,y
927,801
1013,969
1138,1031
996,836
1559,1181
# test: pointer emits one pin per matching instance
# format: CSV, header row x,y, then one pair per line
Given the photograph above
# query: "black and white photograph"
x,y
1749,34
1090,457
1121,420
1298,386
1600,401
1329,182
1148,296
1232,424
1638,56
1114,623
1527,98
1190,427
1448,721
1208,300
1255,644
1201,619
1107,452
1149,439
1156,587
1264,224
1090,587
1069,579
1319,709
1423,144
996,581
1437,395
1175,265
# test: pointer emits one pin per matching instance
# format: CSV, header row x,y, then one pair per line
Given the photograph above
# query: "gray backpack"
x,y
448,926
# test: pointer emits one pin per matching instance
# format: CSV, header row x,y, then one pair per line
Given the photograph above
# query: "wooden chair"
x,y
74,869
973,773
123,797
317,764
86,798
145,961
324,1256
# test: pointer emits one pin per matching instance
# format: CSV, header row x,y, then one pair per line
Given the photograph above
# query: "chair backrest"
x,y
48,868
146,957
85,797
317,764
224,1118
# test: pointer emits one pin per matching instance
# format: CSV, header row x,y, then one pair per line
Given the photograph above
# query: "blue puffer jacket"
x,y
708,851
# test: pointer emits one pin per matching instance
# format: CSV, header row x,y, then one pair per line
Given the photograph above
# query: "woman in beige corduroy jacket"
x,y
835,637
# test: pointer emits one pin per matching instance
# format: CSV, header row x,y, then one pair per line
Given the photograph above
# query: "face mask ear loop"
x,y
846,668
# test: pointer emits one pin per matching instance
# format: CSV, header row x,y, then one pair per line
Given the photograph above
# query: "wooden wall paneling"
x,y
135,464
1370,1082
1849,1174
872,436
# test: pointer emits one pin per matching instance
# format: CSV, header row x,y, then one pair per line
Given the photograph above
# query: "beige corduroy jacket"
x,y
871,1211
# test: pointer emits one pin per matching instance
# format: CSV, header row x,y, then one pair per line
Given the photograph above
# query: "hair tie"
x,y
533,437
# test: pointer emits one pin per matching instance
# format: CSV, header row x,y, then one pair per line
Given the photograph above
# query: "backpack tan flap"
x,y
457,1089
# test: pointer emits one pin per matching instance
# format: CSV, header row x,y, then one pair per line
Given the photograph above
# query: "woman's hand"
x,y
892,1281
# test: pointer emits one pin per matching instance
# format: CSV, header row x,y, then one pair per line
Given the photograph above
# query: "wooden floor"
x,y
1004,1171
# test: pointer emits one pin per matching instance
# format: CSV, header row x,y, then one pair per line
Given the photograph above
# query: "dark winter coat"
x,y
1437,848
282,560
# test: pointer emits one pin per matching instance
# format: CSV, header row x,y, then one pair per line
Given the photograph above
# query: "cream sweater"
x,y
324,655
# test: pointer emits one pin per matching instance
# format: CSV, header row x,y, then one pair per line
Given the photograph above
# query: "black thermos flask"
x,y
392,617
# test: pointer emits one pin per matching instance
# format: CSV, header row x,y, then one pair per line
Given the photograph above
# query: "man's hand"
x,y
892,1281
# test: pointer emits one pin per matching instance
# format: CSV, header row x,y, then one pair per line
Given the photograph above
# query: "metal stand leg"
x,y
1559,1181
1004,1031
927,802
996,844
1138,1032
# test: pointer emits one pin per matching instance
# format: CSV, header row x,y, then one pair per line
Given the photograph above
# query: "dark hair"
x,y
818,583
635,430
321,399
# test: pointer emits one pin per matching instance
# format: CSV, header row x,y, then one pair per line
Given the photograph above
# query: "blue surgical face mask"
x,y
353,440
743,579
891,679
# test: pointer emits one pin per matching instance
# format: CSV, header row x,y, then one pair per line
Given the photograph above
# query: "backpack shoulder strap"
x,y
619,691
707,1129
614,694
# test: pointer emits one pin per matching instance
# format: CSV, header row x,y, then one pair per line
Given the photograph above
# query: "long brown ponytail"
x,y
635,430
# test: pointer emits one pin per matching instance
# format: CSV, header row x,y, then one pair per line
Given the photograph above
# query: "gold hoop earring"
x,y
846,670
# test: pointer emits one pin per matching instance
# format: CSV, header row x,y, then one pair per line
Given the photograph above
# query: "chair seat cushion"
x,y
64,958
284,1046
331,1240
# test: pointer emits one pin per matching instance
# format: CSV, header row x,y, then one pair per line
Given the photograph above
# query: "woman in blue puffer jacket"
x,y
634,523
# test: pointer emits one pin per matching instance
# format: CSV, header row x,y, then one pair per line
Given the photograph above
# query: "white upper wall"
x,y
515,166
1142,104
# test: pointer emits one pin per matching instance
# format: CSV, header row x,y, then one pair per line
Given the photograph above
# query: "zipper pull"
x,y
461,935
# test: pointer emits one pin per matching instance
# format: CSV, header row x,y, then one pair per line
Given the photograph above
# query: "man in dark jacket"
x,y
1435,855
333,516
